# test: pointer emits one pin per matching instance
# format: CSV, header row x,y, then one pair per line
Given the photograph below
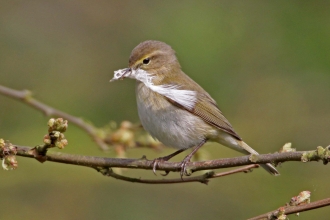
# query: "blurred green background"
x,y
266,63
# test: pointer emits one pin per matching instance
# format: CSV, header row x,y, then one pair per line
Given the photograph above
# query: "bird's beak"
x,y
121,74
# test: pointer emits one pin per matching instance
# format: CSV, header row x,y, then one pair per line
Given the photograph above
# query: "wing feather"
x,y
204,107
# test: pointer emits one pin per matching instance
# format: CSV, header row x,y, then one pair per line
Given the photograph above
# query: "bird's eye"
x,y
146,61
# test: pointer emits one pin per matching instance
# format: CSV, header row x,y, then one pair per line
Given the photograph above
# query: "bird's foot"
x,y
155,163
184,170
183,166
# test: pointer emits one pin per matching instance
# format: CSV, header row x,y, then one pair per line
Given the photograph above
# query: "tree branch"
x,y
143,163
202,178
293,209
105,165
26,97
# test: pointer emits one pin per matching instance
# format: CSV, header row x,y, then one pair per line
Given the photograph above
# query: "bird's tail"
x,y
268,167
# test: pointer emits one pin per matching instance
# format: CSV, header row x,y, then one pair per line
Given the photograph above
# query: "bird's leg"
x,y
188,157
166,158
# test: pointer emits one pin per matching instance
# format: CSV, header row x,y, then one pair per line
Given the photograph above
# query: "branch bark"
x,y
143,163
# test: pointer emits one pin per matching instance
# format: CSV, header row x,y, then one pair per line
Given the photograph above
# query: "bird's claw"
x,y
166,173
155,163
184,169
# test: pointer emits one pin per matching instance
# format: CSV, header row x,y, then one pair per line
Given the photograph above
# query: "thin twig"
x,y
201,178
294,209
27,98
238,170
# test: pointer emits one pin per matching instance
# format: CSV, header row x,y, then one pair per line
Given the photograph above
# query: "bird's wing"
x,y
204,106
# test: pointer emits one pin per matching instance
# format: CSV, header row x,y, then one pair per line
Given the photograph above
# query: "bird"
x,y
174,109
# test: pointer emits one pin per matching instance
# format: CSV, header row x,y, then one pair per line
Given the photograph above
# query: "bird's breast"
x,y
168,123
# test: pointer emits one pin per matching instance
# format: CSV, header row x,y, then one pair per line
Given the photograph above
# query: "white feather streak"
x,y
186,98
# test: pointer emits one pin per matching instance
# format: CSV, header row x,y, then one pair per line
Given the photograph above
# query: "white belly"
x,y
172,126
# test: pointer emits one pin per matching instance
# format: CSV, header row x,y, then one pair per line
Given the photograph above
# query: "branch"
x,y
202,178
294,209
26,97
105,165
143,163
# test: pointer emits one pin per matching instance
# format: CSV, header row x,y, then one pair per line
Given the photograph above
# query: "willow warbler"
x,y
173,108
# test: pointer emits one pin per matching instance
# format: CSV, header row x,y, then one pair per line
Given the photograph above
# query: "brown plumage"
x,y
176,110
